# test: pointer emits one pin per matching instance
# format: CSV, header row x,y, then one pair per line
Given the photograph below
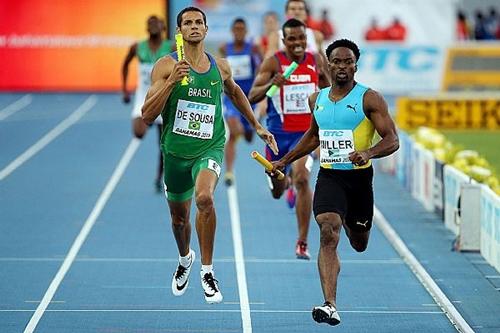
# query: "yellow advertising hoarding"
x,y
449,112
472,66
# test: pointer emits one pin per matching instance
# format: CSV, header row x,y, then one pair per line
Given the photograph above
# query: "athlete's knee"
x,y
329,224
301,181
204,201
179,221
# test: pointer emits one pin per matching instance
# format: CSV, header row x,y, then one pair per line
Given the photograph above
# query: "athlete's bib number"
x,y
295,98
194,119
335,146
241,65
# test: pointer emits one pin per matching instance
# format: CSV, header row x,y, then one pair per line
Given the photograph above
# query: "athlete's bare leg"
x,y
303,203
179,212
205,214
328,259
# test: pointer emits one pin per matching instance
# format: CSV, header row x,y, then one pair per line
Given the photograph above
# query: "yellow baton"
x,y
266,164
179,44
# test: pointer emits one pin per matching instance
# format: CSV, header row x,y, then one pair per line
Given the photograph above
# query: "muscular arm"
x,y
164,76
308,142
128,58
263,80
375,108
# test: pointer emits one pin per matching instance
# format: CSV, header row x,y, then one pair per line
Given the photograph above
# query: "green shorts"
x,y
180,174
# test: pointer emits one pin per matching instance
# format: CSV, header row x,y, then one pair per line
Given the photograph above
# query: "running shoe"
x,y
211,288
180,280
290,197
301,250
228,178
326,313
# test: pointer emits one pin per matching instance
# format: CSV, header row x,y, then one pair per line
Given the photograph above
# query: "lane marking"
x,y
239,258
80,239
228,311
220,260
425,279
15,106
49,137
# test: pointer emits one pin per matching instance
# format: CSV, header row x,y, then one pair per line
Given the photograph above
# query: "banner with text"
x,y
71,45
449,112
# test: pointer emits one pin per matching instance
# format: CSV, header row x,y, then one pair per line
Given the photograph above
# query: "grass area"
x,y
485,142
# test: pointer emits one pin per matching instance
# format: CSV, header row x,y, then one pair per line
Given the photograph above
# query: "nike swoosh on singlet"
x,y
213,83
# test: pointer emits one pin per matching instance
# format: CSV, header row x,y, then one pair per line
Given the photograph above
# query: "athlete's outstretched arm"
x,y
237,96
126,62
267,76
166,73
308,142
375,108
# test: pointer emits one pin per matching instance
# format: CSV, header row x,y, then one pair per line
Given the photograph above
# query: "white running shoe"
x,y
326,313
180,280
211,288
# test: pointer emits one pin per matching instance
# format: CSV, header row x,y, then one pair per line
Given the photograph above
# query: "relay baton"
x,y
266,164
179,43
288,71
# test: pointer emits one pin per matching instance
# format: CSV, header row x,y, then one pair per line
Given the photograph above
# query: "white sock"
x,y
185,261
206,269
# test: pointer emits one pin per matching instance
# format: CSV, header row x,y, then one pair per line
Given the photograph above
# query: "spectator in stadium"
x,y
492,23
480,30
325,25
396,31
374,32
462,27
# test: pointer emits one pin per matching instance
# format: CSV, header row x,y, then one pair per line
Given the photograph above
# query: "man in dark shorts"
x,y
345,117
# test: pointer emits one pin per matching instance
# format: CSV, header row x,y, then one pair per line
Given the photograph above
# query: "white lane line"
x,y
227,310
220,260
239,258
80,239
16,106
47,138
425,279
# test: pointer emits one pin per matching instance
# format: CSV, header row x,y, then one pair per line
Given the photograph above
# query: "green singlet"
x,y
193,134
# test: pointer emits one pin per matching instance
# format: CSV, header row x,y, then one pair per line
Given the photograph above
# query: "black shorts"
x,y
348,193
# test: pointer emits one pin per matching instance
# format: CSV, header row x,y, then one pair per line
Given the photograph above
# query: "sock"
x,y
185,261
206,269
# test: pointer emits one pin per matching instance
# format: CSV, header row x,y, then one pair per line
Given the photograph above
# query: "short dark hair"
x,y
190,9
343,43
239,20
292,23
288,2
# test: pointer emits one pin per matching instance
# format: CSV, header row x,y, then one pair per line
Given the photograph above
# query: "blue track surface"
x,y
120,279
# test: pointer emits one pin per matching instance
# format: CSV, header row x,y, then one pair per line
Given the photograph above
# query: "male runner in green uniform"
x,y
193,141
345,117
147,51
